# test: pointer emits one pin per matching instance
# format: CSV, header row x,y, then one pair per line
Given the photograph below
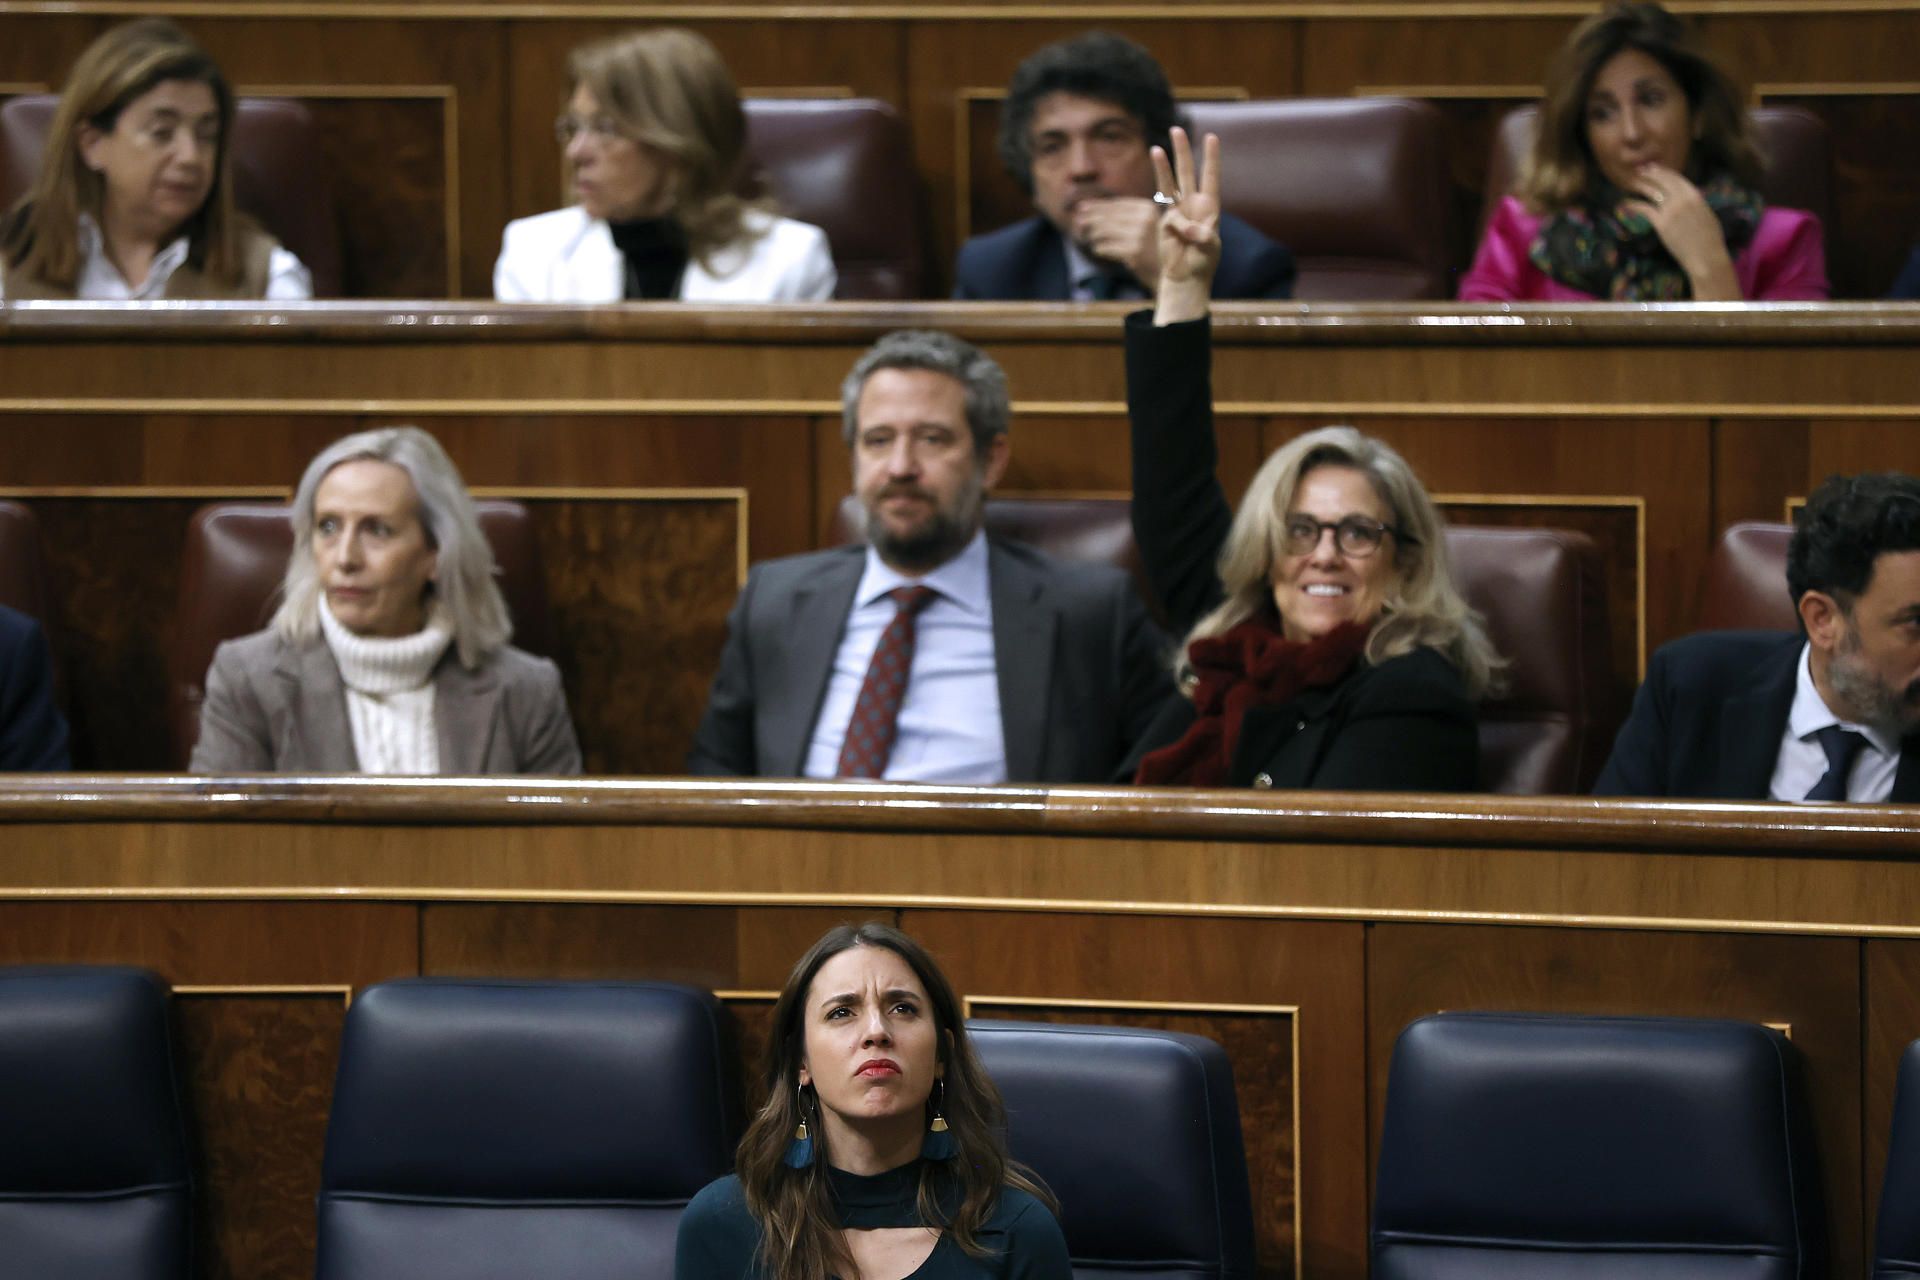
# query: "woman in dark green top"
x,y
878,1153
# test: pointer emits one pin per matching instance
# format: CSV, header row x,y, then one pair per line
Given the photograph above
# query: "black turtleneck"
x,y
719,1239
654,251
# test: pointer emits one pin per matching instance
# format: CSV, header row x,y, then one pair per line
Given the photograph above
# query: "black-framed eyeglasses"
x,y
1356,536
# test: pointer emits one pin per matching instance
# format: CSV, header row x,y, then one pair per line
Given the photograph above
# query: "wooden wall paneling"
x,y
113,571
956,70
385,168
1312,966
260,1066
41,48
1875,218
259,1030
1811,984
866,59
1891,971
1847,446
1610,459
1757,464
41,449
639,584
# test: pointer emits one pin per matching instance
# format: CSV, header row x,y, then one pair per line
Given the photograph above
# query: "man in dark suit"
x,y
931,653
1079,118
1831,714
32,734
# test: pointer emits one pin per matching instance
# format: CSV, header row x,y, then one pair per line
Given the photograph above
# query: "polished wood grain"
x,y
1811,985
259,1073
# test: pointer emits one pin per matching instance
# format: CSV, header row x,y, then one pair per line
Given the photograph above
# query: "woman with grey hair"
x,y
1327,645
389,651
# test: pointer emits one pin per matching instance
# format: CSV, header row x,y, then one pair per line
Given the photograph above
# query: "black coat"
x,y
1708,720
1027,262
32,733
1404,725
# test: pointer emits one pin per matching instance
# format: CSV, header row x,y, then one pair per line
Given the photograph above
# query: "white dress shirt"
x,y
100,281
1802,762
949,727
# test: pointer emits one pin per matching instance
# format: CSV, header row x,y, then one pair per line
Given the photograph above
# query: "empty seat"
x,y
1544,598
493,1129
1550,1147
280,175
1138,1134
1896,1240
846,166
1745,588
230,572
1358,188
95,1177
1794,142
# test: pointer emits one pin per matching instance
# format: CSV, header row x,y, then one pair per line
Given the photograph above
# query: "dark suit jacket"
x,y
1907,284
276,708
1707,721
1404,725
1027,262
32,734
1082,669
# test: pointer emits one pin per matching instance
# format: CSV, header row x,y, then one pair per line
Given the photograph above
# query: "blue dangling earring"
x,y
800,1150
939,1143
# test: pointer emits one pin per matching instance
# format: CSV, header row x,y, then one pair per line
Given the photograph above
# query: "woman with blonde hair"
x,y
389,651
1326,643
134,200
1642,185
880,1148
656,158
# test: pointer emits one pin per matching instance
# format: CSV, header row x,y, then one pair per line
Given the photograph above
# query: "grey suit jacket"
x,y
1082,668
276,708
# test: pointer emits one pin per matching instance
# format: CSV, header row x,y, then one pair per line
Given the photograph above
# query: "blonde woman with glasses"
x,y
655,148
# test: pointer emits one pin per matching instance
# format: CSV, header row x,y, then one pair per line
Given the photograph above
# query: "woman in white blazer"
x,y
655,148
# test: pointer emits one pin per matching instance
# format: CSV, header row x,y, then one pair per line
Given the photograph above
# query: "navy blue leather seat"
x,y
1138,1133
1896,1241
1556,1148
95,1177
485,1129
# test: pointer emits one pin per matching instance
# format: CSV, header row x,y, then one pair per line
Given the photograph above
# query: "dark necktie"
x,y
876,713
1102,287
1841,746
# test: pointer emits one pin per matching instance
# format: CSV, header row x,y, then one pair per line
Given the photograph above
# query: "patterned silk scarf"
x,y
1598,248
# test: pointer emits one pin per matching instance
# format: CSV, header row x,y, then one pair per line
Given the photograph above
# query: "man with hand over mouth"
x,y
1079,118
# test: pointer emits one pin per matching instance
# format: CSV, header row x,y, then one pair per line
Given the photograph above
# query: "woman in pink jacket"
x,y
1641,183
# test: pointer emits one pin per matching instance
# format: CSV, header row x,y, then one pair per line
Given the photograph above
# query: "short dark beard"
x,y
941,539
1867,699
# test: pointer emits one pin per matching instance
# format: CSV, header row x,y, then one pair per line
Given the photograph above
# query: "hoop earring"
x,y
939,1143
799,1151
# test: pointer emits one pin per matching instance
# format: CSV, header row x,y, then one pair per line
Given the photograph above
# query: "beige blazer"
x,y
276,708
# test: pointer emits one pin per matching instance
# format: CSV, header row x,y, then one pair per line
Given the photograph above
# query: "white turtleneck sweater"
x,y
390,693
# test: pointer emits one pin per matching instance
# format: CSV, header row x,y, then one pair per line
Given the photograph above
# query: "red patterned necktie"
x,y
876,713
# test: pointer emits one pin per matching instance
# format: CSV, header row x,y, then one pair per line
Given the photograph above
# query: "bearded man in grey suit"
x,y
1015,668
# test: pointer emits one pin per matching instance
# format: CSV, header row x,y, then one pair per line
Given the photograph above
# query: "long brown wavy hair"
x,y
669,89
800,1233
1561,168
39,236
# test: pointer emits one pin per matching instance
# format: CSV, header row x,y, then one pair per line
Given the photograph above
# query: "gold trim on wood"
x,y
1835,90
343,990
16,88
1290,1011
1595,500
